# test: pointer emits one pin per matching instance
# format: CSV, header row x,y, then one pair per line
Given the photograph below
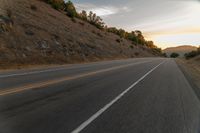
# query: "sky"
x,y
167,22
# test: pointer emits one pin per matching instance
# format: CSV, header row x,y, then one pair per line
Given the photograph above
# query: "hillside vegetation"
x,y
192,54
191,66
52,32
181,50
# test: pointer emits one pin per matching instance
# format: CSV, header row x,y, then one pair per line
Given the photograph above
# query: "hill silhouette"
x,y
181,50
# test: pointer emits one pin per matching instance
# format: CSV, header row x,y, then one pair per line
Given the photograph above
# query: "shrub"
x,y
136,37
157,50
83,15
95,20
70,9
192,54
174,55
56,4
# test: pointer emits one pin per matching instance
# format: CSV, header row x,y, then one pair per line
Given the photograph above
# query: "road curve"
x,y
149,95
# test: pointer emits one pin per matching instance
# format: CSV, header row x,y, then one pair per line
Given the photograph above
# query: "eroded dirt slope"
x,y
39,34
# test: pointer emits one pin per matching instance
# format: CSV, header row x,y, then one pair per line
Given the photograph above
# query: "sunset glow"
x,y
166,22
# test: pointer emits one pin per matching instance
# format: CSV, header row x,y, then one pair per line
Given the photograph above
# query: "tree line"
x,y
192,53
69,8
136,37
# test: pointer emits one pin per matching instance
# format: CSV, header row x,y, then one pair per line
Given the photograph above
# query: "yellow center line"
x,y
51,82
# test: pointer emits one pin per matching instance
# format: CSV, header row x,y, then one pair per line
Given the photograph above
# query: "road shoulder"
x,y
191,70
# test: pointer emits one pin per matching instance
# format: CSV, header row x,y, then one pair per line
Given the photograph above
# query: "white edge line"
x,y
97,114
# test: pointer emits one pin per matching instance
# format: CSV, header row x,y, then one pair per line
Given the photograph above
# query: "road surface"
x,y
148,95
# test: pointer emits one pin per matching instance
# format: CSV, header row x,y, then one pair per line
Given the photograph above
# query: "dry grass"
x,y
192,68
47,36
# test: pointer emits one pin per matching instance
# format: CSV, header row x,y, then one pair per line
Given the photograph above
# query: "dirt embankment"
x,y
191,69
33,33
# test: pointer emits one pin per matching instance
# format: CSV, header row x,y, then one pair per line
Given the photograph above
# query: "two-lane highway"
x,y
149,95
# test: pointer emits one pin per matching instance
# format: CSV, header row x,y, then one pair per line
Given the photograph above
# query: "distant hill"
x,y
181,50
34,33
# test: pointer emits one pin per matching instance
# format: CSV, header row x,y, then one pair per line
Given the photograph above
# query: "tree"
x,y
83,15
174,55
150,44
140,37
138,33
136,37
95,20
112,30
191,54
121,33
56,4
70,9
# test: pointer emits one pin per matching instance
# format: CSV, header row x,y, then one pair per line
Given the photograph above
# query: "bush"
x,y
192,54
95,20
136,37
56,4
83,15
174,55
70,9
157,50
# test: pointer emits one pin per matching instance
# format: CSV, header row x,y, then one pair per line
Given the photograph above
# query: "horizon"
x,y
64,70
175,25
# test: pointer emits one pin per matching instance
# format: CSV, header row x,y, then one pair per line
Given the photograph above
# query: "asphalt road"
x,y
149,95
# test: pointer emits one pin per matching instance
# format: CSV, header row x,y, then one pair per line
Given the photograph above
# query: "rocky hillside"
x,y
32,32
181,50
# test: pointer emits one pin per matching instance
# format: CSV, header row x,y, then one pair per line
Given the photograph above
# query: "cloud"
x,y
102,10
158,19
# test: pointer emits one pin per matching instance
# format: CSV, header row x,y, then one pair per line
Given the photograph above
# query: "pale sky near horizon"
x,y
166,22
